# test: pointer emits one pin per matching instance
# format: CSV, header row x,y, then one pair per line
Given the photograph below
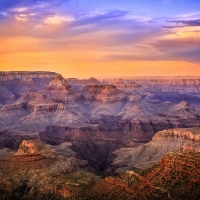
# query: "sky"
x,y
111,38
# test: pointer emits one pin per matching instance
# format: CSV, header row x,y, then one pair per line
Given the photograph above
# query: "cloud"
x,y
187,22
99,18
171,49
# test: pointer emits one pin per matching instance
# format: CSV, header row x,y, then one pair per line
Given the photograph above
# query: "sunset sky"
x,y
84,38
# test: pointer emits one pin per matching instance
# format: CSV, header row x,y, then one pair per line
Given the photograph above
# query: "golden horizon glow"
x,y
83,42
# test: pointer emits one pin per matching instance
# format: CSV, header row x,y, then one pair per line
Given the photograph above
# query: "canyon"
x,y
97,128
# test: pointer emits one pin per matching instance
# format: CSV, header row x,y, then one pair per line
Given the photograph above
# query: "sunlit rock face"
x,y
163,142
176,176
37,170
103,93
60,91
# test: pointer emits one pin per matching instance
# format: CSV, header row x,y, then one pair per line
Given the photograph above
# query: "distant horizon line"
x,y
101,77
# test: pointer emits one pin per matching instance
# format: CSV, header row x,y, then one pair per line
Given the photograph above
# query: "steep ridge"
x,y
144,156
60,91
175,177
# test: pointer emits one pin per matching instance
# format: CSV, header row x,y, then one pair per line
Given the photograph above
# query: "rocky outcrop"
x,y
133,84
47,108
111,94
34,98
103,93
12,139
175,177
118,83
190,134
144,156
28,147
60,91
90,92
37,171
14,106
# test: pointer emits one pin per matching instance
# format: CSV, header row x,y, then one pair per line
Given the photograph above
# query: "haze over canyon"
x,y
64,136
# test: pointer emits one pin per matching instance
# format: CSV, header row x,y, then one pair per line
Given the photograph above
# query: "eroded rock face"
x,y
15,84
190,134
47,108
170,84
175,177
28,147
60,91
146,155
25,76
14,106
37,171
118,83
12,140
103,93
111,94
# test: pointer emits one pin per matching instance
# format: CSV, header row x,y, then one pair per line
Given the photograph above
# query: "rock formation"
x,y
103,93
118,83
60,91
146,155
25,76
37,171
176,176
12,84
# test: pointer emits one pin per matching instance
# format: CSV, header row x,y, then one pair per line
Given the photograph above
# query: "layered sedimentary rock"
x,y
47,108
176,176
14,106
49,176
25,76
133,84
15,84
144,156
118,83
60,91
34,98
100,113
80,84
38,172
12,140
103,93
170,84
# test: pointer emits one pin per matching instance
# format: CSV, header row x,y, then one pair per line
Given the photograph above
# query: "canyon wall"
x,y
25,76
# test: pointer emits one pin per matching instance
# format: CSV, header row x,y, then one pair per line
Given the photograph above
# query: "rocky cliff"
x,y
26,76
170,84
14,106
175,177
146,155
37,172
15,84
60,91
103,93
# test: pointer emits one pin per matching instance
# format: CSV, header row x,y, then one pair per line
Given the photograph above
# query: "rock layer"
x,y
146,155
